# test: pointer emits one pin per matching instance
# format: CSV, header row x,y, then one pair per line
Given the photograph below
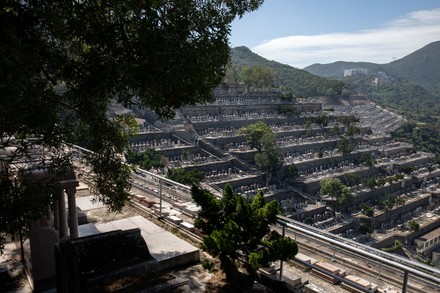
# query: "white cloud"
x,y
395,40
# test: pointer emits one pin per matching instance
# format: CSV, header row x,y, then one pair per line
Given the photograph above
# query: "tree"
x,y
232,75
370,182
367,210
338,192
389,201
400,201
293,170
352,178
368,159
238,233
344,145
261,137
413,225
61,63
322,120
186,177
254,133
268,159
258,76
146,160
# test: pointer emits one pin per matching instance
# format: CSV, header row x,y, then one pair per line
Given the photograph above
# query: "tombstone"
x,y
86,262
42,243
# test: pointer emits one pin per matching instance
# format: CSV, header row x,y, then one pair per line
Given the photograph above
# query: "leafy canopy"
x,y
238,233
254,134
338,192
146,160
188,177
261,137
257,76
61,63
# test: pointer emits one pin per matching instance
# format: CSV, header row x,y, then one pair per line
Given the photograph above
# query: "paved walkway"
x,y
12,276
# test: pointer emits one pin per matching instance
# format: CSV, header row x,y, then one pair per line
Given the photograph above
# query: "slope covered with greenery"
x,y
299,82
413,92
336,70
420,68
417,104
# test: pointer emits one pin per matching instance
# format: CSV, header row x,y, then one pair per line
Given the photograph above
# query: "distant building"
x,y
382,79
355,71
428,241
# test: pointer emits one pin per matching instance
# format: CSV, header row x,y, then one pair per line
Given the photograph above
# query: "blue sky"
x,y
304,32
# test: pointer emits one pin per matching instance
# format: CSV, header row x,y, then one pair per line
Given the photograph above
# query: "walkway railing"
x,y
428,275
149,182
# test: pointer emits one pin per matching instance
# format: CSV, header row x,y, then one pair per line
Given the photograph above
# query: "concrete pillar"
x,y
56,219
62,219
73,219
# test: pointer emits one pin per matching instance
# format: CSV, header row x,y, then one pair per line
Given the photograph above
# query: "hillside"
x,y
300,82
420,68
336,70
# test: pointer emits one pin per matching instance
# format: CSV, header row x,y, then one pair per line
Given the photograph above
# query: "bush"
x,y
413,225
397,245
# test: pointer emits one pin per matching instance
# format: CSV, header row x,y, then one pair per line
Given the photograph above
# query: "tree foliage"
x,y
61,63
192,177
261,137
257,76
425,136
367,209
238,233
299,82
338,192
146,160
254,133
413,225
344,145
268,159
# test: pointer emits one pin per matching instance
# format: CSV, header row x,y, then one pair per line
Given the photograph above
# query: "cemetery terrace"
x,y
309,133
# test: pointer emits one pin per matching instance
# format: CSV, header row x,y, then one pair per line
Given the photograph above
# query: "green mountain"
x,y
299,82
420,68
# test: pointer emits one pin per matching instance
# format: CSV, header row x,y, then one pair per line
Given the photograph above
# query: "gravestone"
x,y
42,243
99,259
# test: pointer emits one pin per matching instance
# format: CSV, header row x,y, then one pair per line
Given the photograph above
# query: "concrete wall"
x,y
313,187
408,236
218,166
175,152
375,193
150,136
256,108
309,212
340,229
222,141
241,182
312,146
396,212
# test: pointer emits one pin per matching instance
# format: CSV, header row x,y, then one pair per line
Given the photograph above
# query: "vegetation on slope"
x,y
417,103
299,82
419,68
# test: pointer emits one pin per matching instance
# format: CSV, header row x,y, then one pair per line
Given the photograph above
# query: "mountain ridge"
x,y
420,67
